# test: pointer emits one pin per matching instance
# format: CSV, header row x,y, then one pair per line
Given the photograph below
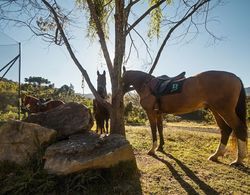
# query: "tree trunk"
x,y
117,114
117,111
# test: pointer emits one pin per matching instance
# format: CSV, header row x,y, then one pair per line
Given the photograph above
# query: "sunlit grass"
x,y
185,168
182,169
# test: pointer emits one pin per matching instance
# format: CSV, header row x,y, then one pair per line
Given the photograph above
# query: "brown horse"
x,y
34,105
101,113
222,92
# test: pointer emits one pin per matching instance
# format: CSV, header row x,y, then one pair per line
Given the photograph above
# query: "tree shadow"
x,y
185,185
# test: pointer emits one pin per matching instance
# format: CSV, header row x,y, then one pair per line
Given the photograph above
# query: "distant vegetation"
x,y
37,87
247,91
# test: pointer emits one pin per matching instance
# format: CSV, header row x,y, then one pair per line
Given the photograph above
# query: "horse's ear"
x,y
104,72
98,73
124,69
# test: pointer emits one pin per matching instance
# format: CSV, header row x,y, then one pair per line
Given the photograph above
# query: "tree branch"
x,y
72,55
144,15
188,14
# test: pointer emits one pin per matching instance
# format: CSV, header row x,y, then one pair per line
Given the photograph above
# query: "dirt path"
x,y
198,129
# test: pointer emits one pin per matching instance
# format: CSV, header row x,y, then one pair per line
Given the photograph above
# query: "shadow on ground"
x,y
185,185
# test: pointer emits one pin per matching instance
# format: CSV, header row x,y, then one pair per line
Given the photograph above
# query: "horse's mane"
x,y
30,96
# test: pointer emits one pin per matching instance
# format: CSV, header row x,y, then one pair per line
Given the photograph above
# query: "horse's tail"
x,y
241,105
242,113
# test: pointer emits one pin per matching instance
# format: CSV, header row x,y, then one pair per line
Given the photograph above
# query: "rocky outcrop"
x,y
87,151
67,119
20,140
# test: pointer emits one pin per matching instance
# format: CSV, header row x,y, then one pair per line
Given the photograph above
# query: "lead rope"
x,y
83,84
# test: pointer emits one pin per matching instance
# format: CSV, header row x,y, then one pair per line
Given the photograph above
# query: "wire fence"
x,y
10,72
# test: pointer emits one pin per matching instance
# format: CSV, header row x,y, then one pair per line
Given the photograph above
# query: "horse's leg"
x,y
152,119
107,125
240,132
225,133
96,122
102,126
160,130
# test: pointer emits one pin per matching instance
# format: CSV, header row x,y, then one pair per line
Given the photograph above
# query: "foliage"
x,y
9,96
104,9
133,112
37,81
155,22
248,108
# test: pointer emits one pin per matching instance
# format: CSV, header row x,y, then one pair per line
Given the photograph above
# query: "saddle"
x,y
42,102
164,85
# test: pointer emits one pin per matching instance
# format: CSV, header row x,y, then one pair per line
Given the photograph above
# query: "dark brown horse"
x,y
222,92
101,113
34,105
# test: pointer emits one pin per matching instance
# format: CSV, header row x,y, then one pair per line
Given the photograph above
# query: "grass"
x,y
183,169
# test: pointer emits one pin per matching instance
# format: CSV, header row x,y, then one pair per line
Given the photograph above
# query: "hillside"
x,y
247,91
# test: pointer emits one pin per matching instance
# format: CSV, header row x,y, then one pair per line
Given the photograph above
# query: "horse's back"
x,y
220,90
219,84
51,104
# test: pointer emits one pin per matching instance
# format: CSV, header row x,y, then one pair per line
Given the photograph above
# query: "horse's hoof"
x,y
151,153
213,158
160,149
236,163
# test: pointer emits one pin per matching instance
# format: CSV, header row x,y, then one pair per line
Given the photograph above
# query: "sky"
x,y
52,62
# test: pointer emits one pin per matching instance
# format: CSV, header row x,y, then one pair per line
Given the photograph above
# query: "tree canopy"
x,y
37,80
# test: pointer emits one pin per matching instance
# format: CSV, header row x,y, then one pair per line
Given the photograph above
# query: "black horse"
x,y
101,113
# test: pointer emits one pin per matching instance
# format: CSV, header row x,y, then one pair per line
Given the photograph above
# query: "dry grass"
x,y
184,167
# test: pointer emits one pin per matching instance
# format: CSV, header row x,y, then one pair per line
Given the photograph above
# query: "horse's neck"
x,y
103,93
141,82
31,99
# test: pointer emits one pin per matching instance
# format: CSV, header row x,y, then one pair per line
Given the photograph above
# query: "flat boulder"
x,y
87,151
66,119
20,140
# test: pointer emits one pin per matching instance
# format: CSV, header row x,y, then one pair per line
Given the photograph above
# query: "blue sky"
x,y
52,62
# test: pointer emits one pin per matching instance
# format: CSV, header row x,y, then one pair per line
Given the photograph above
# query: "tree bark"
x,y
117,112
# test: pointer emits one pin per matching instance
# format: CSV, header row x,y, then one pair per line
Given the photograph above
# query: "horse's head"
x,y
101,84
134,80
126,81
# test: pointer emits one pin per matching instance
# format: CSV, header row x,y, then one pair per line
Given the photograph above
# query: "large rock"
x,y
87,151
67,119
20,140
